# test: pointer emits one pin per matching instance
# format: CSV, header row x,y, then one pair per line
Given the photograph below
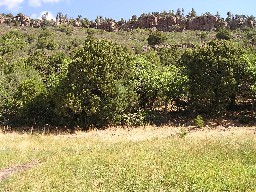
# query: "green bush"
x,y
68,30
20,85
98,86
216,74
156,83
224,34
199,122
46,40
132,119
156,38
11,42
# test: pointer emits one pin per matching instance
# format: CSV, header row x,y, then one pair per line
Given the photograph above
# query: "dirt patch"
x,y
5,173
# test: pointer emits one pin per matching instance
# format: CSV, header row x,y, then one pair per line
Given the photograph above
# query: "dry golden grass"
x,y
132,159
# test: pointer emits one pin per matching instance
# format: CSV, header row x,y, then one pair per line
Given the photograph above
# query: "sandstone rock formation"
x,y
22,19
25,20
240,21
204,23
36,23
2,19
165,22
107,25
156,21
61,19
77,23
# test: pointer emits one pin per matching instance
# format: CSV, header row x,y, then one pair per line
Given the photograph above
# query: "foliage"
x,y
98,85
133,119
170,55
20,85
156,83
199,122
215,73
224,34
156,38
11,42
52,68
250,59
183,133
46,40
65,29
136,86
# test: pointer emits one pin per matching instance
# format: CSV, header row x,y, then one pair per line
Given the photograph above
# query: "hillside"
x,y
79,76
161,21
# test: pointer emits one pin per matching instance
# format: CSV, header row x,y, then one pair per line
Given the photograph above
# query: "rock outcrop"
x,y
22,19
205,23
36,23
2,19
77,23
61,21
156,21
240,22
107,25
167,23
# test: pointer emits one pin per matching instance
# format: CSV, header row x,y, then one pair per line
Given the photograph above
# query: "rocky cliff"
x,y
160,21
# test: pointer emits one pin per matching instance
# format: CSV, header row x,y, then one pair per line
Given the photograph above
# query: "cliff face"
x,y
161,22
178,23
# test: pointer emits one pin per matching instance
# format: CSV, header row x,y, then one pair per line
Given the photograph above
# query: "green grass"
x,y
196,162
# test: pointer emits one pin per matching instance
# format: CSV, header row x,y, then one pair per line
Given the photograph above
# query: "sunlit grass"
x,y
197,162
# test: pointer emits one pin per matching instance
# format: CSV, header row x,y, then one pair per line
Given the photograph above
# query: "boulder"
x,y
165,23
25,21
22,19
2,19
77,23
107,25
61,21
250,23
36,23
205,23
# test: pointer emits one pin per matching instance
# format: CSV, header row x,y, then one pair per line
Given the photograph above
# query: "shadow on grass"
x,y
186,118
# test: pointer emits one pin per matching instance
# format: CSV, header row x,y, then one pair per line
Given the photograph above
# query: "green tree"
x,y
215,74
12,42
224,34
46,40
249,86
157,84
98,87
156,38
20,84
192,13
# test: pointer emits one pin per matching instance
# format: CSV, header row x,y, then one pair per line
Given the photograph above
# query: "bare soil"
x,y
5,173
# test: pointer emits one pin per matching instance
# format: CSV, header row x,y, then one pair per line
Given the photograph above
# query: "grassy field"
x,y
142,159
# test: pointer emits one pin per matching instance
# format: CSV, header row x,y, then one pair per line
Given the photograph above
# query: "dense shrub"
x,y
157,83
46,40
98,87
20,84
216,73
156,38
49,78
11,42
224,34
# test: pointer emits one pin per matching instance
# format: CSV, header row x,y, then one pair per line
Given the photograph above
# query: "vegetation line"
x,y
79,79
